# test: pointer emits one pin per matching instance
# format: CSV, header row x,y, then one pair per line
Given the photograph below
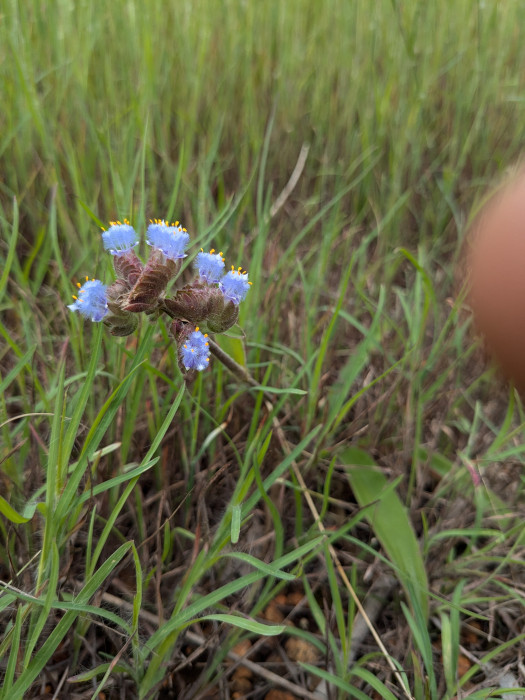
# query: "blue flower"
x,y
119,238
169,239
234,285
210,266
91,301
195,352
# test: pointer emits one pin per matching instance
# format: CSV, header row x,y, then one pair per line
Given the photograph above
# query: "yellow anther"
x,y
205,335
212,251
202,250
196,328
74,297
176,223
78,285
87,278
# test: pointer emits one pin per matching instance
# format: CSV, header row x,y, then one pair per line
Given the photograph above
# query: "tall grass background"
x,y
143,521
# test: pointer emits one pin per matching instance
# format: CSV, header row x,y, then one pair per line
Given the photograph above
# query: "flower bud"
x,y
117,297
152,282
120,321
193,303
121,326
128,267
223,317
205,305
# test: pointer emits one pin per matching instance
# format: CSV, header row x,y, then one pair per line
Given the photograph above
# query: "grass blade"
x,y
389,520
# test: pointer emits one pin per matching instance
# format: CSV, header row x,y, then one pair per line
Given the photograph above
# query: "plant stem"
x,y
235,368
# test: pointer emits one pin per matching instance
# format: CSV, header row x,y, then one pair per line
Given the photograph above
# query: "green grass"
x,y
146,526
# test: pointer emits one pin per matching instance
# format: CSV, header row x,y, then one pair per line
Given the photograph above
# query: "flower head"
x,y
119,238
234,285
195,351
210,266
170,239
91,301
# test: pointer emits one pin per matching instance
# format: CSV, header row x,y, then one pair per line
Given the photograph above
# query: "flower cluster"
x,y
196,351
210,301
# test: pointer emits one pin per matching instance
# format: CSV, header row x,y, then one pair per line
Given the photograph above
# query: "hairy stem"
x,y
235,368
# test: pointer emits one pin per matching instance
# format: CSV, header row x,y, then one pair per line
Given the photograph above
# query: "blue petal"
x,y
210,266
170,240
234,285
91,301
119,238
195,352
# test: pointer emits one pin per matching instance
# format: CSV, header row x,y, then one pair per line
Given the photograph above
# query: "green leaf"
x,y
334,680
389,520
178,620
374,682
42,656
97,671
261,565
13,655
22,362
246,624
279,390
116,480
8,261
6,599
236,523
18,518
357,361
